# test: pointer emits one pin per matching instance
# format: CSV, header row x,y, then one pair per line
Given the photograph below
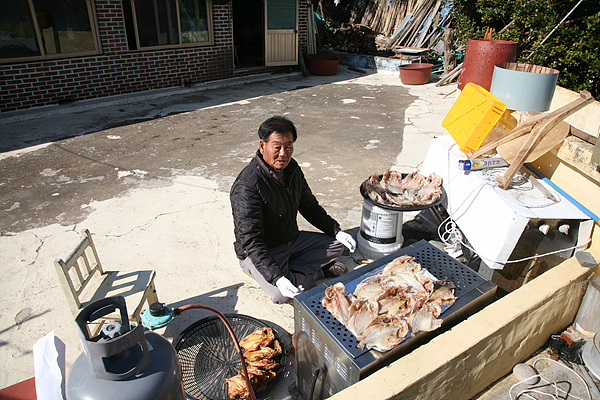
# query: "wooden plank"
x,y
555,136
450,76
490,147
431,17
528,125
549,121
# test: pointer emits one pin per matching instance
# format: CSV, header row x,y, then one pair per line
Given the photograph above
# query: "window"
x,y
46,29
281,14
167,23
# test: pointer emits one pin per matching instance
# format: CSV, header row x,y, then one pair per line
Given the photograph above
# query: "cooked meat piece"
x,y
336,302
412,190
261,351
383,334
236,387
384,306
362,312
262,337
265,363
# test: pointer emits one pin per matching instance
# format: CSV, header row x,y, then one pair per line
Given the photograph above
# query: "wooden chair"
x,y
82,268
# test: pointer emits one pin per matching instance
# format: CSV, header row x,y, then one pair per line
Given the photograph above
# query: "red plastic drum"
x,y
481,57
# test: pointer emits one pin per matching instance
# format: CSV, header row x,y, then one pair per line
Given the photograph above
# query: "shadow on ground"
x,y
23,129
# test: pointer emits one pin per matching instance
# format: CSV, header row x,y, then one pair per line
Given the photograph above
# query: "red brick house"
x,y
56,51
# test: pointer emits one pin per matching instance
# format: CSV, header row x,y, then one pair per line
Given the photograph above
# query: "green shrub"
x,y
573,48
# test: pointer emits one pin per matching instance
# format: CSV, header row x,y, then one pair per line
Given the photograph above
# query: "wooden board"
x,y
540,130
509,150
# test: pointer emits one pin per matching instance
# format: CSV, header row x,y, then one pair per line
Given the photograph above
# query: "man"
x,y
265,200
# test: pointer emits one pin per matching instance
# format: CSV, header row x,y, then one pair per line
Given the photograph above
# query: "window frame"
x,y
138,47
91,8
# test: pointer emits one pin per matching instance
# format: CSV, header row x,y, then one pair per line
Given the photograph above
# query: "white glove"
x,y
347,240
287,288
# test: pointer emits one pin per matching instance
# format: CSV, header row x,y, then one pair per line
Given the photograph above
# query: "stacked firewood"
x,y
380,27
351,38
407,23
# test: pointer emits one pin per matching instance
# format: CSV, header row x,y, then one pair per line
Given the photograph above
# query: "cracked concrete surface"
x,y
155,193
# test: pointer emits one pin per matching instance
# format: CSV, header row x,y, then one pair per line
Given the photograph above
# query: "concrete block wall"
x,y
587,119
118,70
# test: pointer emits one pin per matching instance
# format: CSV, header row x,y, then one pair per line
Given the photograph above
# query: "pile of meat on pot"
x,y
262,352
413,190
388,307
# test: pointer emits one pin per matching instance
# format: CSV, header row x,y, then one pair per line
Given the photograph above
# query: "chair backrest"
x,y
78,269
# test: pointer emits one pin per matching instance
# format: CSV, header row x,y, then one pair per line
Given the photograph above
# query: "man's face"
x,y
277,151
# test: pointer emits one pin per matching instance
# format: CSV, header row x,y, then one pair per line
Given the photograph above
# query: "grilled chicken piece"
x,y
443,295
362,313
412,190
383,334
236,387
425,319
262,337
388,307
336,302
373,287
401,264
261,355
264,352
265,363
259,379
400,305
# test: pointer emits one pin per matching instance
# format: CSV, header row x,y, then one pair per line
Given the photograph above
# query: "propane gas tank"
x,y
122,361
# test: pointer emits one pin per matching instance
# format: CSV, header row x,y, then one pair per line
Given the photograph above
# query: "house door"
x,y
248,33
281,35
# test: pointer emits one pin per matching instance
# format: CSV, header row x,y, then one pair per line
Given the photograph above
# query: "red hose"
x,y
181,309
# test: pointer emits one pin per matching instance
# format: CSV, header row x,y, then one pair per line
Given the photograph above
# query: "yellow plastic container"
x,y
474,114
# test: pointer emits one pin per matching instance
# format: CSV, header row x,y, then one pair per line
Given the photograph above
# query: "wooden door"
x,y
281,36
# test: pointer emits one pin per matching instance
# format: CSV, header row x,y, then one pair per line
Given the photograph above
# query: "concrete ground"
x,y
149,176
550,378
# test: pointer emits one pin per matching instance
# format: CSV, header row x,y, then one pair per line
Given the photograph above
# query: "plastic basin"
x,y
415,74
322,64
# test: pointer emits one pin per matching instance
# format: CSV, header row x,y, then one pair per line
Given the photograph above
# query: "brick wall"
x,y
303,24
120,71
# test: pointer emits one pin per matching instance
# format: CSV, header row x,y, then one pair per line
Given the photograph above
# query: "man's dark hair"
x,y
277,124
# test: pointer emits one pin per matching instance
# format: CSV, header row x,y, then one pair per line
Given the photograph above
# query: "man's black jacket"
x,y
265,213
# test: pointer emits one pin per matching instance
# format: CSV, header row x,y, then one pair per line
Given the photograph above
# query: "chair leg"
x,y
152,296
95,328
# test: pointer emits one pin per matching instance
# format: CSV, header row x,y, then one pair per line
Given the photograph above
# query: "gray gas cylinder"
x,y
122,361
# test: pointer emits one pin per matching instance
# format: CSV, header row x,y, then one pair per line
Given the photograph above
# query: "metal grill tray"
x,y
207,355
438,263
